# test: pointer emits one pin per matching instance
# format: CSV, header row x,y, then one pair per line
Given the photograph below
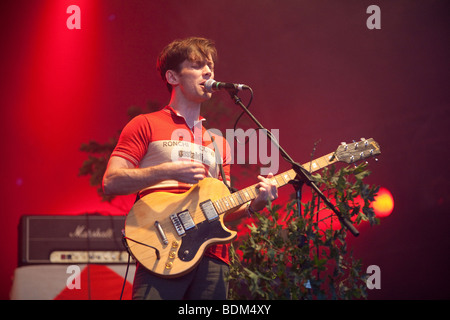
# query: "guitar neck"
x,y
240,197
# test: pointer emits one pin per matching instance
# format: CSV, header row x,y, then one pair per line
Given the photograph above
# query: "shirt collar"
x,y
170,109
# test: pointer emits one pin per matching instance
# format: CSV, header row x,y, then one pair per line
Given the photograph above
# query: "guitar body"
x,y
154,224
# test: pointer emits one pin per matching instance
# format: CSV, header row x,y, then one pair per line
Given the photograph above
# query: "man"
x,y
144,161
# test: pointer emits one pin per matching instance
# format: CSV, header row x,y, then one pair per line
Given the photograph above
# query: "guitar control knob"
x,y
172,254
169,265
175,244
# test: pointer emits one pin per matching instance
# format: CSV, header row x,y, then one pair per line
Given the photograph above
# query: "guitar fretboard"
x,y
240,197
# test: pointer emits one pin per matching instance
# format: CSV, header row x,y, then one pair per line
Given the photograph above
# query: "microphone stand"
x,y
303,176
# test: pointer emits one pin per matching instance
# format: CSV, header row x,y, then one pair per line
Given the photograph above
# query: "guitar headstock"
x,y
352,152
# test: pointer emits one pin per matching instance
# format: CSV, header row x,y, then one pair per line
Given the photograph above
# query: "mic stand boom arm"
x,y
302,174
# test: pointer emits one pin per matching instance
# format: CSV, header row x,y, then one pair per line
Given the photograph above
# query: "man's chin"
x,y
207,96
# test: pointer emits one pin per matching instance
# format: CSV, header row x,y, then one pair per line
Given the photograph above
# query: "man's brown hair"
x,y
175,53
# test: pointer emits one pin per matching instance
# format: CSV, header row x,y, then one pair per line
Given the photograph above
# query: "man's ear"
x,y
172,77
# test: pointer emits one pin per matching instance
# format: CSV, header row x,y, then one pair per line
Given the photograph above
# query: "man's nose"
x,y
207,70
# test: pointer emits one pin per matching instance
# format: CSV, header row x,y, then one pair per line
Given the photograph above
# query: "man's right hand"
x,y
186,171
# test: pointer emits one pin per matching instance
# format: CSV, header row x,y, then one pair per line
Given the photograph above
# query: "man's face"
x,y
192,77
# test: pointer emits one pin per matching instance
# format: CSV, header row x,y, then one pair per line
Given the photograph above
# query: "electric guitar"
x,y
168,233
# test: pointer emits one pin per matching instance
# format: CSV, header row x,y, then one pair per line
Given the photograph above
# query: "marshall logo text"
x,y
82,232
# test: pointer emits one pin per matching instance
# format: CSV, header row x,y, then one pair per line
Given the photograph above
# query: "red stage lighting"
x,y
383,204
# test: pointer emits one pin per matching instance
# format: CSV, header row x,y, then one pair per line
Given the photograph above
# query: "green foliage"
x,y
99,153
95,165
287,256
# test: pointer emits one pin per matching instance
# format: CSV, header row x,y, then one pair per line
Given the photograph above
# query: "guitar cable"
x,y
126,275
158,256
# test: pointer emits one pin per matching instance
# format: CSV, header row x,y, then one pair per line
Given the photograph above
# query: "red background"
x,y
317,72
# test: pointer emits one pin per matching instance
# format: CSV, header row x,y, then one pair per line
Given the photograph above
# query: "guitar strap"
x,y
219,163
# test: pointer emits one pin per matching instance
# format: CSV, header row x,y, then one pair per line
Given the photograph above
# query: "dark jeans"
x,y
205,282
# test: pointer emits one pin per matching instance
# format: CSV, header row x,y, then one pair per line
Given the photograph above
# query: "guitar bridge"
x,y
209,210
177,224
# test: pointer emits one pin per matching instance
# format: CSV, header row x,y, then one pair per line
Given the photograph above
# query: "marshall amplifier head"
x,y
89,238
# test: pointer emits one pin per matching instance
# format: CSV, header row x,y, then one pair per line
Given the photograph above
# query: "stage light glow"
x,y
61,73
384,203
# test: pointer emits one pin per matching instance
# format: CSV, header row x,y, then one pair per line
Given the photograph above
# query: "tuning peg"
x,y
344,144
366,142
356,144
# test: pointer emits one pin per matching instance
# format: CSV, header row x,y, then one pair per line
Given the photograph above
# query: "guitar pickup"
x,y
209,211
186,220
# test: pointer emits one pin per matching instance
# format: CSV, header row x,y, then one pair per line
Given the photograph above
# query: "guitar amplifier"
x,y
89,238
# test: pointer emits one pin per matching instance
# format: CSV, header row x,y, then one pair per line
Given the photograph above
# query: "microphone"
x,y
212,85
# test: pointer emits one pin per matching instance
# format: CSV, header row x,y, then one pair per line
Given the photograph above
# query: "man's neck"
x,y
188,109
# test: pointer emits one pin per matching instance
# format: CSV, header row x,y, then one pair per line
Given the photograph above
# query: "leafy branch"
x,y
287,256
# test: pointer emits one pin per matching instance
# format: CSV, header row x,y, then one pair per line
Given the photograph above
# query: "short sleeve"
x,y
134,140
